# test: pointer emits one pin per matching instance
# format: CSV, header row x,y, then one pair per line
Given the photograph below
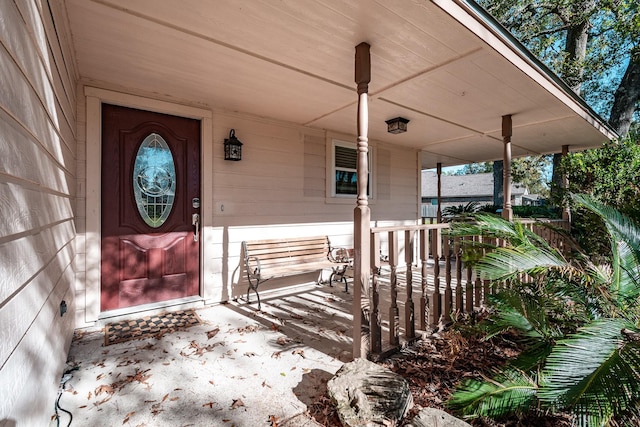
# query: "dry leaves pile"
x,y
434,366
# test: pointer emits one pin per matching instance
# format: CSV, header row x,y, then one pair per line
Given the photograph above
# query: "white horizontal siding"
x,y
280,189
37,190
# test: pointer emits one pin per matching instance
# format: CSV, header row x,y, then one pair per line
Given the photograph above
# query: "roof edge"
x,y
480,15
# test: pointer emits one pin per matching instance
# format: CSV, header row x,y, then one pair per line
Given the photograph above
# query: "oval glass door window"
x,y
154,180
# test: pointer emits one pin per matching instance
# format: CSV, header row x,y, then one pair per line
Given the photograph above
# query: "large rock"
x,y
432,417
366,394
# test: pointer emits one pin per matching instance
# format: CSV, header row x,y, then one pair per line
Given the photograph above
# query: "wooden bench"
x,y
268,259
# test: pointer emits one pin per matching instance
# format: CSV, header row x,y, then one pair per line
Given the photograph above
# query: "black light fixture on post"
x,y
232,147
397,125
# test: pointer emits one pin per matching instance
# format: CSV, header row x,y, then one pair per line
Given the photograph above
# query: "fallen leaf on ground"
x,y
247,329
212,333
299,352
103,389
156,409
129,415
100,402
273,420
237,403
283,340
138,376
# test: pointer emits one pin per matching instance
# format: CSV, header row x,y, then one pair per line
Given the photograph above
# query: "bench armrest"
x,y
252,264
340,255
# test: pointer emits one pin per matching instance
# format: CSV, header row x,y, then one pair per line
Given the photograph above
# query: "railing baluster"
x,y
479,296
469,285
485,283
436,301
394,312
375,331
424,256
448,300
409,315
433,304
459,297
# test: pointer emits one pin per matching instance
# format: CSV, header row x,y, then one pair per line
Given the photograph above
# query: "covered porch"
x,y
280,77
244,366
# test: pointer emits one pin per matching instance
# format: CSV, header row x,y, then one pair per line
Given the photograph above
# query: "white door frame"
x,y
95,97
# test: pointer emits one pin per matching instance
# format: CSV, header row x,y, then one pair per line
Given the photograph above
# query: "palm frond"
x,y
509,262
534,357
583,299
511,391
620,226
525,252
495,227
525,313
594,372
625,248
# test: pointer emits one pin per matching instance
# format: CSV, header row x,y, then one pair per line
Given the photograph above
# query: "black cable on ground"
x,y
63,382
62,409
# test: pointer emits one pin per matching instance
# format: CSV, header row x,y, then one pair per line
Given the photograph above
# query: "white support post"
x,y
507,211
362,214
439,173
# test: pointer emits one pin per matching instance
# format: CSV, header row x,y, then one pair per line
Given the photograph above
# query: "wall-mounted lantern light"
x,y
232,147
397,125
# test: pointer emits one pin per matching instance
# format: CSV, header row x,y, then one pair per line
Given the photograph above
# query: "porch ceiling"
x,y
452,74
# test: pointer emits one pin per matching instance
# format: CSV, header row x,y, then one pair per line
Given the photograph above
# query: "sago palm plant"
x,y
460,211
578,323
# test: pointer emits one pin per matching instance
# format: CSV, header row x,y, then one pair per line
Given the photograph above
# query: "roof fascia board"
x,y
472,16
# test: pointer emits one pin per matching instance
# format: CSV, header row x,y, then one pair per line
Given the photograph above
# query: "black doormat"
x,y
149,326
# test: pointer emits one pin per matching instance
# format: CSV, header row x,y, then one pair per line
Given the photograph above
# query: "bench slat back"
x,y
298,250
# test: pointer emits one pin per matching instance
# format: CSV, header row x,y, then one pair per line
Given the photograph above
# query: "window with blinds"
x,y
345,173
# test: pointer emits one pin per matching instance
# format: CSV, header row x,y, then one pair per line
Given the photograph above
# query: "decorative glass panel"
x,y
154,180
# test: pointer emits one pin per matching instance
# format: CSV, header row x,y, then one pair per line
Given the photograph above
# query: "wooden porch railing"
x,y
419,279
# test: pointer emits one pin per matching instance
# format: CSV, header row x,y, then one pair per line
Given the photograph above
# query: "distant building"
x,y
533,200
461,189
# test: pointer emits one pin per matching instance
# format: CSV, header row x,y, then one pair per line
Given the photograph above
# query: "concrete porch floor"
x,y
239,367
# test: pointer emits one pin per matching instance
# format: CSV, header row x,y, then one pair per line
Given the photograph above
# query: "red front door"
x,y
150,193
